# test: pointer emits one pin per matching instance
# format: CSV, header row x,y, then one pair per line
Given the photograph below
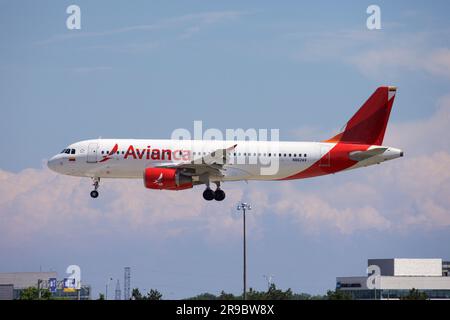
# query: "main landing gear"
x,y
210,194
96,182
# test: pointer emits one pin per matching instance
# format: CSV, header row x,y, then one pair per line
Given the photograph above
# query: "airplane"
x,y
182,164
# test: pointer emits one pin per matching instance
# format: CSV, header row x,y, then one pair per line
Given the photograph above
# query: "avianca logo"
x,y
108,156
156,154
149,153
159,180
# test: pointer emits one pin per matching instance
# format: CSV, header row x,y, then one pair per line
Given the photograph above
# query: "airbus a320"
x,y
182,164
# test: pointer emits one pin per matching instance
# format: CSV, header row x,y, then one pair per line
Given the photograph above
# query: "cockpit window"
x,y
67,151
64,150
72,151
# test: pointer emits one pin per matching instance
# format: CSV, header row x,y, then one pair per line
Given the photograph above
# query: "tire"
x,y
94,194
219,195
208,194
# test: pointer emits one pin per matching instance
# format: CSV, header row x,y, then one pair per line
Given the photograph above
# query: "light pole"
x,y
244,206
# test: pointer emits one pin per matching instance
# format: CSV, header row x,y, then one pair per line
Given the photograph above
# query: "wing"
x,y
211,163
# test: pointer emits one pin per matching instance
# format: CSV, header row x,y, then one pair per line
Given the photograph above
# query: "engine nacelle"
x,y
166,179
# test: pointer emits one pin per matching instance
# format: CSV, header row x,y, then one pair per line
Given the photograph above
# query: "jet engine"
x,y
166,179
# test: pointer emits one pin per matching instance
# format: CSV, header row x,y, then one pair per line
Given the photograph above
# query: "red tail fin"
x,y
368,125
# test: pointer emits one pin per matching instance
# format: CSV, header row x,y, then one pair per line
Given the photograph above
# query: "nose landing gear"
x,y
96,183
94,194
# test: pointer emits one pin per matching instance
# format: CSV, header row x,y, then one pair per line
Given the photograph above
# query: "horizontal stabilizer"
x,y
363,155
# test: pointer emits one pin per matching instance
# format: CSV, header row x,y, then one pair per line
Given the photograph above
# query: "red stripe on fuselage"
x,y
339,160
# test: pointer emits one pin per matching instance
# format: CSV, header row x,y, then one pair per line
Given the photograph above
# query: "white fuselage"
x,y
249,160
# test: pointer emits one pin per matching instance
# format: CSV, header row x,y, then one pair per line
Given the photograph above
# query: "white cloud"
x,y
36,201
190,32
404,194
135,47
376,62
425,135
190,22
315,213
377,54
438,62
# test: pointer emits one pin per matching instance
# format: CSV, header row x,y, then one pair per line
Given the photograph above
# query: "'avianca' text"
x,y
157,154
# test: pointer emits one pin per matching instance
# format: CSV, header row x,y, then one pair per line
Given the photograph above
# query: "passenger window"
x,y
295,155
290,155
305,154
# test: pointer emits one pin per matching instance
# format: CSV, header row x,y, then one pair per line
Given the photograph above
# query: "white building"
x,y
12,284
396,277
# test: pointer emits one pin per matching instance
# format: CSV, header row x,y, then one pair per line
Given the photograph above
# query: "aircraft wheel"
x,y
208,194
219,195
94,194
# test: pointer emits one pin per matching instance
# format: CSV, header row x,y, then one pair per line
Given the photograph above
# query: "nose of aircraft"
x,y
52,164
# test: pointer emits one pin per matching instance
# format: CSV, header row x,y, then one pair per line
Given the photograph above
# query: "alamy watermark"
x,y
373,22
73,21
373,280
235,146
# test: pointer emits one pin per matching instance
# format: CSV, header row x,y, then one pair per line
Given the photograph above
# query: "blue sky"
x,y
144,68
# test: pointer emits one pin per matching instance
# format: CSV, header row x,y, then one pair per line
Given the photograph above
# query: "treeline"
x,y
273,293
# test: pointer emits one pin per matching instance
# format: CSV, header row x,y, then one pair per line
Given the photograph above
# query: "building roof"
x,y
408,267
21,280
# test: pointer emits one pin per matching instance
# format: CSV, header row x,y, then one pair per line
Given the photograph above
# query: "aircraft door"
x,y
92,153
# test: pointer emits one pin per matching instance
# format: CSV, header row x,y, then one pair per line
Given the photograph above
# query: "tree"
x,y
415,294
101,296
271,294
227,296
203,296
338,295
32,293
307,296
136,294
153,294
